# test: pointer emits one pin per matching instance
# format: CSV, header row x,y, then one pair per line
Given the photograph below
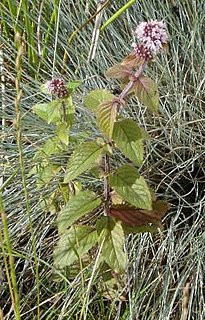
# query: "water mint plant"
x,y
122,203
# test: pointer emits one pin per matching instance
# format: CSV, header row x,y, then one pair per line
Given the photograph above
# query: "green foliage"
x,y
73,244
49,112
106,115
84,158
132,187
78,205
146,91
111,237
128,137
96,97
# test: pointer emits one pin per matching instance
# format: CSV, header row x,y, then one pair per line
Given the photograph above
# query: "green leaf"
x,y
70,111
111,236
128,183
84,158
72,245
49,112
147,93
96,97
79,205
63,133
106,115
128,137
72,86
47,173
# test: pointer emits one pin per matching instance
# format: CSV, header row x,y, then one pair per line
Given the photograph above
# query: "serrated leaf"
x,y
128,137
72,245
111,236
79,205
146,91
128,183
106,115
63,133
96,97
118,71
84,158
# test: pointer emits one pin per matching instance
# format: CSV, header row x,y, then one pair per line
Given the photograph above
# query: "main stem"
x,y
106,185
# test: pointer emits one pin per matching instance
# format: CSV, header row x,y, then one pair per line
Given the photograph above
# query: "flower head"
x,y
152,34
56,87
142,52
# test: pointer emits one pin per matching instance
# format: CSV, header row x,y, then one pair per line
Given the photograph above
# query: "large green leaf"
x,y
84,158
79,205
111,236
72,245
96,97
49,112
106,115
128,137
128,183
147,92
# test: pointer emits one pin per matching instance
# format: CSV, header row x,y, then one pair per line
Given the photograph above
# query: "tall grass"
x,y
165,272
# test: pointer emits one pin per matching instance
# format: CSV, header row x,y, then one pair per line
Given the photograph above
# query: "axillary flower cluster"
x,y
152,37
56,87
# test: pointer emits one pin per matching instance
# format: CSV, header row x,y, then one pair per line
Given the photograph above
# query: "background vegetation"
x,y
165,271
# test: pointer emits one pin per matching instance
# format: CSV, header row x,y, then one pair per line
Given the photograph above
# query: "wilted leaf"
x,y
128,183
106,115
146,91
79,205
111,236
118,71
96,97
84,158
128,137
72,245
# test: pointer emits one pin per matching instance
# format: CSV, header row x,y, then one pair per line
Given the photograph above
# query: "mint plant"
x,y
124,202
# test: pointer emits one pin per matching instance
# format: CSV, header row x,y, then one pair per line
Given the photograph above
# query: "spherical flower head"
x,y
56,87
152,34
142,52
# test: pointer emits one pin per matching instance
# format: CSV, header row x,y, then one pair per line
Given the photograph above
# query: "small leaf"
x,y
128,137
84,158
111,237
72,86
72,245
63,133
78,205
106,115
49,112
132,60
96,97
70,110
147,93
128,183
118,71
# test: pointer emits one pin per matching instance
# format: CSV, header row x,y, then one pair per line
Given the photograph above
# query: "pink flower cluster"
x,y
153,37
57,87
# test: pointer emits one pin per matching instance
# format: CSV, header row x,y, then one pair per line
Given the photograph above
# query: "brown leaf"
x,y
118,71
139,217
132,60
